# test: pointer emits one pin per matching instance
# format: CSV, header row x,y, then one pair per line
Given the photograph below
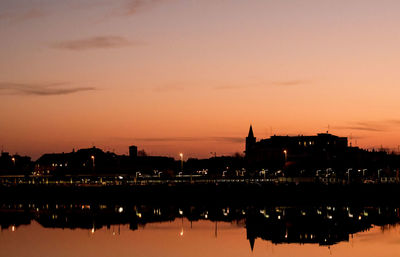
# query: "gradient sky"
x,y
191,75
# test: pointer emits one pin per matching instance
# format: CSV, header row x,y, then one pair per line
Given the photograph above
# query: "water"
x,y
65,229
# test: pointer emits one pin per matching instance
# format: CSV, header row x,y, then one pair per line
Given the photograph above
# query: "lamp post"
x,y
285,152
92,157
13,160
181,155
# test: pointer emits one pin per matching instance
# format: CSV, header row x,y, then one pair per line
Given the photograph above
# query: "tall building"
x,y
250,142
133,151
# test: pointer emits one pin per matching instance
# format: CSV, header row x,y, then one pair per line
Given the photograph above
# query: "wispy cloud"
x,y
360,128
290,82
266,84
46,89
100,42
20,16
373,126
168,88
230,87
131,7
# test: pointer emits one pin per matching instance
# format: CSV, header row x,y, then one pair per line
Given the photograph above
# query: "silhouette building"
x,y
133,153
323,149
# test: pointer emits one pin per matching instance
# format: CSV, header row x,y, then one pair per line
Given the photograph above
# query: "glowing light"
x,y
120,209
181,233
92,231
13,228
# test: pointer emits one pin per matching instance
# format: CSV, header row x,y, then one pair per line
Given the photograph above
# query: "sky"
x,y
190,76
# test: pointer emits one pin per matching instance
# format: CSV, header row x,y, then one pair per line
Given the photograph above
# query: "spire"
x,y
251,134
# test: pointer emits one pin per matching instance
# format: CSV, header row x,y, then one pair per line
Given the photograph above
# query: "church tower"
x,y
250,142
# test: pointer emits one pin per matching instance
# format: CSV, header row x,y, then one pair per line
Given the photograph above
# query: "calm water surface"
x,y
182,238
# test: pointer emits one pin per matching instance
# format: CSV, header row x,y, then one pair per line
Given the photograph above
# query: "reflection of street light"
x,y
348,175
285,152
92,160
379,175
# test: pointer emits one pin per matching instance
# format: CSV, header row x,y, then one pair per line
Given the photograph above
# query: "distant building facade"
x,y
96,161
323,149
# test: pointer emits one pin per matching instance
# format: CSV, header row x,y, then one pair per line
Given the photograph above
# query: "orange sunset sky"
x,y
190,76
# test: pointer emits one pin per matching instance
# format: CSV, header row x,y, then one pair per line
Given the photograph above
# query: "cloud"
x,y
168,88
290,82
22,16
229,87
267,84
133,6
100,42
372,126
359,128
393,122
48,89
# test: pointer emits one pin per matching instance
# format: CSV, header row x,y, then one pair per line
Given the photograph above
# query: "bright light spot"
x,y
92,231
180,212
120,209
13,228
181,234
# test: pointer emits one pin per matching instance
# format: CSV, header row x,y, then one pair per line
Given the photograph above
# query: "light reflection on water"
x,y
272,231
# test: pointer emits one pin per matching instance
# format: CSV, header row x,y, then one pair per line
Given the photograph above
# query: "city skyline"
x,y
190,76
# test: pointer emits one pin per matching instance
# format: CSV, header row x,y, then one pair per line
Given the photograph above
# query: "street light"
x,y
181,155
92,157
285,152
13,160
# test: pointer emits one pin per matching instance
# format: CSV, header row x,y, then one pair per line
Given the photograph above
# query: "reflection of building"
x,y
324,148
323,225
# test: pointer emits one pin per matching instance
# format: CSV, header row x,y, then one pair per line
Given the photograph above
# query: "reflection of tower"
x,y
250,142
252,240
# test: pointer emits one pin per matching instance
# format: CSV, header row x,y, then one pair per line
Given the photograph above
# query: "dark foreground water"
x,y
111,229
